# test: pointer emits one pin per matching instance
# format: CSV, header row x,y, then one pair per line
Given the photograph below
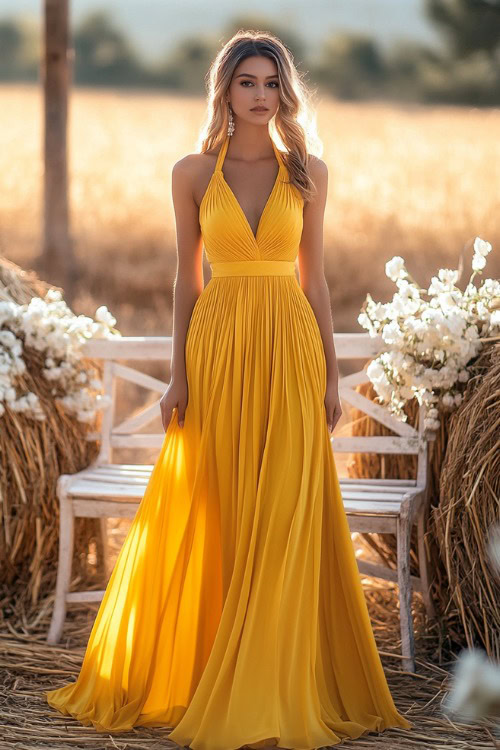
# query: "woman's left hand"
x,y
332,405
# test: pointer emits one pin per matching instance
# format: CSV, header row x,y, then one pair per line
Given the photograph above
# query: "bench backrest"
x,y
348,346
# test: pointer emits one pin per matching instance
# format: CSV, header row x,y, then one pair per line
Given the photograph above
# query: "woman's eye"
x,y
272,83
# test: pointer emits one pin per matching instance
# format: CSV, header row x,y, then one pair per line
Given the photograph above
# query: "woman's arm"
x,y
188,283
313,282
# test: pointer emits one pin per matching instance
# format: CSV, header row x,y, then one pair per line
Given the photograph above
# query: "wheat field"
x,y
420,182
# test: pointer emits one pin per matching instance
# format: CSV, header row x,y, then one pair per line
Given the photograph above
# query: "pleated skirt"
x,y
235,612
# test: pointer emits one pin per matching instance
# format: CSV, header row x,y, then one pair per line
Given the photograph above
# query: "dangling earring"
x,y
230,129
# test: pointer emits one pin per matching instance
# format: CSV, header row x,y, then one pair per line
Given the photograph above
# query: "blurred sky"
x,y
155,24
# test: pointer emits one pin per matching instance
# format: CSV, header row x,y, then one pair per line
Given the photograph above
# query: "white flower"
x,y
392,334
481,247
447,301
395,268
448,399
489,288
365,322
50,327
53,295
7,338
10,394
436,286
429,342
471,332
475,686
380,311
448,276
54,373
431,424
478,262
103,315
456,322
375,371
404,304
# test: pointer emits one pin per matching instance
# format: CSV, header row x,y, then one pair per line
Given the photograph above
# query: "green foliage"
x,y
18,51
186,65
351,66
348,65
103,54
467,25
474,81
470,70
407,64
292,41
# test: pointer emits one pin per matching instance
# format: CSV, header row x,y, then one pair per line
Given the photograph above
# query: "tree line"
x,y
464,70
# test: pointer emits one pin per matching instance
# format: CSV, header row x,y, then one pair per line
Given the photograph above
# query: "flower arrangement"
x,y
51,328
430,341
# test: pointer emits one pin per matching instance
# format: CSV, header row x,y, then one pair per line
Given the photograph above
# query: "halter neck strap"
x,y
222,154
223,150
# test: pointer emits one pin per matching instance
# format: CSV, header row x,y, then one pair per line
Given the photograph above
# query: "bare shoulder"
x,y
317,168
318,172
187,167
195,163
192,172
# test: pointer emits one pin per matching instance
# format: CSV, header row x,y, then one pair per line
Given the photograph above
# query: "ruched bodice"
x,y
227,235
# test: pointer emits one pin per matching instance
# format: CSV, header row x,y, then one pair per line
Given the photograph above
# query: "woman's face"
x,y
255,83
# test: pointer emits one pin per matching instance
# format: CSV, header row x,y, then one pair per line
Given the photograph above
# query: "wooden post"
x,y
57,261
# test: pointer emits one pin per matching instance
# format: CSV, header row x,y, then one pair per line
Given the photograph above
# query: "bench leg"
x,y
405,588
66,541
103,548
424,567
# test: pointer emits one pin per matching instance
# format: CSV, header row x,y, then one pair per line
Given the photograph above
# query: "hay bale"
x,y
464,476
470,506
32,456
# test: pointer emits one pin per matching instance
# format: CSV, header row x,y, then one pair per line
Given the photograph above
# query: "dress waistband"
x,y
253,268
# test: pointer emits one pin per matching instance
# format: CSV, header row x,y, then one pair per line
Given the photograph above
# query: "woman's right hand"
x,y
176,395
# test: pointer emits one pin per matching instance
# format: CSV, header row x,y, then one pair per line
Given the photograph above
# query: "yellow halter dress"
x,y
235,611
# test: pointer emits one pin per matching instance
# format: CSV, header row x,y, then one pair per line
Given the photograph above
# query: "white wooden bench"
x,y
113,490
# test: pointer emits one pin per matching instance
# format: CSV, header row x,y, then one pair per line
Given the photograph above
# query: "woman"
x,y
235,611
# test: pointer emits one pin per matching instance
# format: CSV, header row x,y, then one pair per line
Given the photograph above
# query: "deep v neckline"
x,y
220,162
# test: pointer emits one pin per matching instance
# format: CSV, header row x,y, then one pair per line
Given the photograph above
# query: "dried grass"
x,y
469,506
404,180
32,456
28,666
464,465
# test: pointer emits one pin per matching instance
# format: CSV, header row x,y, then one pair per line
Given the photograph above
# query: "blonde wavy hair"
x,y
295,119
